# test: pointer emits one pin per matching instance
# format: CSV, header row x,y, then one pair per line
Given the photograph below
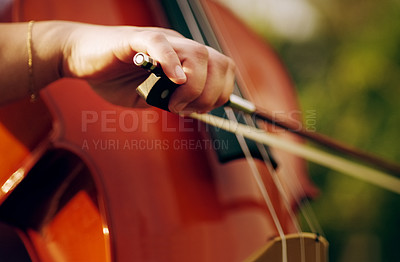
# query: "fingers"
x,y
195,63
220,73
205,75
157,46
210,82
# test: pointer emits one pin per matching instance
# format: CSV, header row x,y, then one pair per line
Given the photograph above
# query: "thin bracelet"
x,y
32,91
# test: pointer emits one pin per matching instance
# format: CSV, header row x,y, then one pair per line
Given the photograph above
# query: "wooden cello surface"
x,y
107,183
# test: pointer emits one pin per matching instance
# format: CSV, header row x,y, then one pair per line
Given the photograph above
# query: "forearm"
x,y
46,46
102,55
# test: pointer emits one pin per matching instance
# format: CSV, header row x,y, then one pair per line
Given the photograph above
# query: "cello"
x,y
96,182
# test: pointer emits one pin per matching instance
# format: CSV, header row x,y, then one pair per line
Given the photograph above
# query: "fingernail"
x,y
179,73
179,107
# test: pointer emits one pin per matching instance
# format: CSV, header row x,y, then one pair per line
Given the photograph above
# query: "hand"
x,y
103,56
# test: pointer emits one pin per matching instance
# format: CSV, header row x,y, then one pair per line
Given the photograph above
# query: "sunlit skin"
x,y
102,55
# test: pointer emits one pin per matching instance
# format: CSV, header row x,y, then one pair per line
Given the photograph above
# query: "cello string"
x,y
306,211
304,203
189,16
274,175
277,182
272,172
260,183
266,159
308,214
297,191
210,37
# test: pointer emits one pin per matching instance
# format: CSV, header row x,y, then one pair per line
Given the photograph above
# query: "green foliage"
x,y
349,73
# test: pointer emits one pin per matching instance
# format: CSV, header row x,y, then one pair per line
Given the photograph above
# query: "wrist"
x,y
48,43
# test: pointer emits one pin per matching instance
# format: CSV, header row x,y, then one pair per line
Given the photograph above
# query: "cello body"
x,y
85,180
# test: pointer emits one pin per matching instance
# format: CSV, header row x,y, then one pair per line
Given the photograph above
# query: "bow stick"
x,y
157,89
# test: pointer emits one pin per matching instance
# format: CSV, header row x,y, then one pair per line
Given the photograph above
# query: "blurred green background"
x,y
344,58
